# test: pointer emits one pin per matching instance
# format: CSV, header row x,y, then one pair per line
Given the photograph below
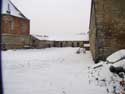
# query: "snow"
x,y
102,77
70,38
47,71
64,37
8,6
116,56
100,73
41,37
86,45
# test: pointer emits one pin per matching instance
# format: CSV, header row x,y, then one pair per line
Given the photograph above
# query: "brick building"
x,y
15,27
107,27
13,21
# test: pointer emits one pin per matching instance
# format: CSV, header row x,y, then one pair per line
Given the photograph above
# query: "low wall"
x,y
11,41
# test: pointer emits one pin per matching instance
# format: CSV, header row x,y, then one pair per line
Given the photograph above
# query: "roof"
x,y
9,8
76,37
40,37
69,38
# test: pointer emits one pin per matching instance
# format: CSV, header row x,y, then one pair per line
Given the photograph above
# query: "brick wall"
x,y
15,25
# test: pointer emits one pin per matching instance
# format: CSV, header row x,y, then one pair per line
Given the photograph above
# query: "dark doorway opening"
x,y
72,44
61,44
78,44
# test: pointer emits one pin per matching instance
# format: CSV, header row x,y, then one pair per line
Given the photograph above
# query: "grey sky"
x,y
56,16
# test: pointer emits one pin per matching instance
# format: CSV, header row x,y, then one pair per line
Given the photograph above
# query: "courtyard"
x,y
47,71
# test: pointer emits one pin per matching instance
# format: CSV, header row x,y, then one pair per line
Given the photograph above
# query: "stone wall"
x,y
11,41
107,27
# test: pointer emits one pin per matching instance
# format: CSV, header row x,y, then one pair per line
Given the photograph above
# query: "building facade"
x,y
44,41
107,28
15,27
70,43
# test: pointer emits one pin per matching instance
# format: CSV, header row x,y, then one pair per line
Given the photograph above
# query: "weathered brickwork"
x,y
107,27
15,25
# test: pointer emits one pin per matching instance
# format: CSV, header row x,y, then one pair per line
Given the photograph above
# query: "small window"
x,y
61,44
72,44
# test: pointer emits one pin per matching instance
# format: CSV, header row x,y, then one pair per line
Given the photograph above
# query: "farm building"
x,y
15,28
39,41
107,28
77,40
60,41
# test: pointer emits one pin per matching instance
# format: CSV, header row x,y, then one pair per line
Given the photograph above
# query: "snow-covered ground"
x,y
47,71
110,74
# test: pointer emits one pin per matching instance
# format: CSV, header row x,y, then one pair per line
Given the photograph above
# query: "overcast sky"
x,y
56,16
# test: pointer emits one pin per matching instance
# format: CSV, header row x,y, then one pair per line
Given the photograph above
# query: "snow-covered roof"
x,y
9,8
41,37
70,38
75,37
